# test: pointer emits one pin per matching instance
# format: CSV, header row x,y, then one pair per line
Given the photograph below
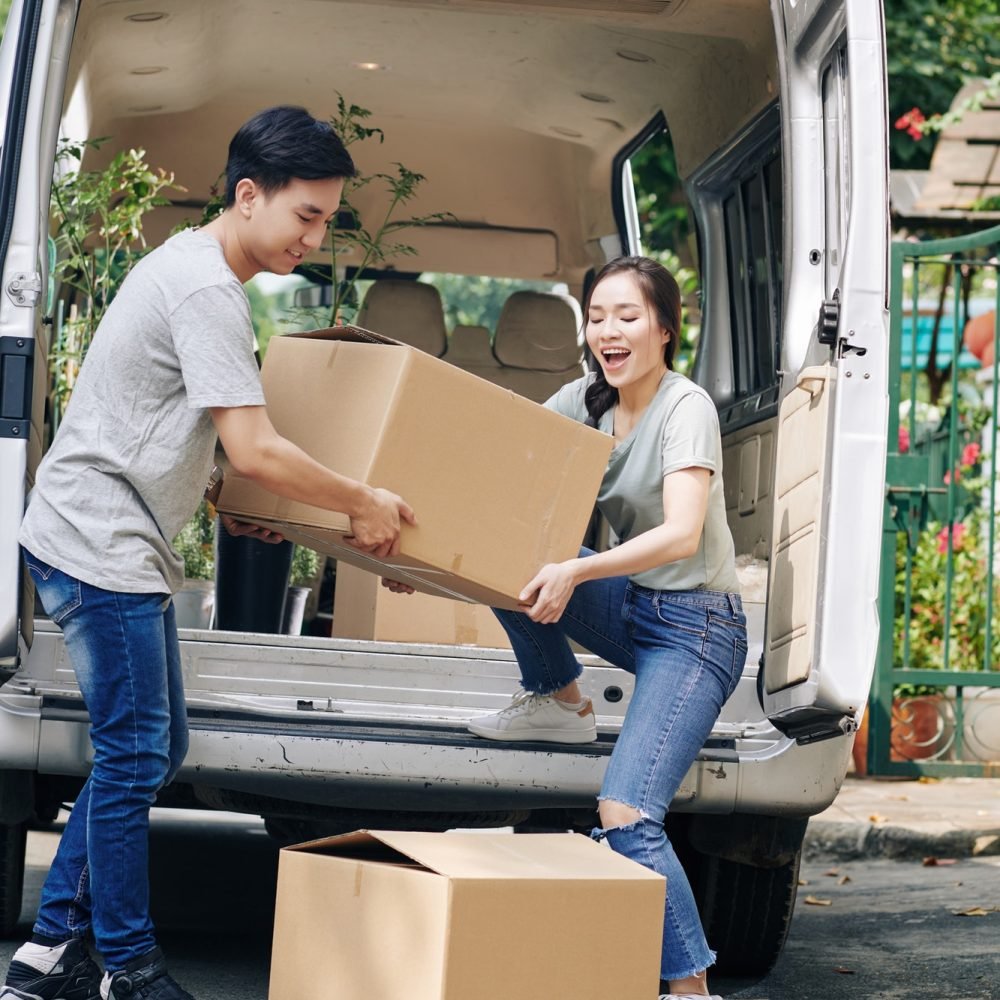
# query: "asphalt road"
x,y
891,930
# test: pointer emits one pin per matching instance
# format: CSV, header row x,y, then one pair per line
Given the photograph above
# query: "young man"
x,y
171,367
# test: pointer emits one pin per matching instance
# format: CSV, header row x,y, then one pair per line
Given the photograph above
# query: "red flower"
x,y
958,476
957,532
904,440
911,122
970,454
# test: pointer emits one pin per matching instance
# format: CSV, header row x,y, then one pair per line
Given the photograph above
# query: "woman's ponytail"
x,y
599,397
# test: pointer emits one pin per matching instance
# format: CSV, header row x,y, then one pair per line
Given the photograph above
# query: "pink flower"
x,y
957,533
904,440
970,454
911,122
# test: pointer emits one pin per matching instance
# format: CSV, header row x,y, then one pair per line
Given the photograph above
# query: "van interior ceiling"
x,y
461,87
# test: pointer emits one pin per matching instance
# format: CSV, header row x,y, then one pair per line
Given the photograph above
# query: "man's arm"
x,y
256,450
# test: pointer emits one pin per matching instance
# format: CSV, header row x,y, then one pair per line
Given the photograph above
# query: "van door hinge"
x,y
25,289
829,319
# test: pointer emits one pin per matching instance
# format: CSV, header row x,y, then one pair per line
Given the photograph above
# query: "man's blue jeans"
x,y
687,650
124,650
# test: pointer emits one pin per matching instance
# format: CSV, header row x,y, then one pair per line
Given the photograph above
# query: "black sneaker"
x,y
75,976
145,978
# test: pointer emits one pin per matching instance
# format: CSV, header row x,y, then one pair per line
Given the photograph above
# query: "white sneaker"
x,y
538,717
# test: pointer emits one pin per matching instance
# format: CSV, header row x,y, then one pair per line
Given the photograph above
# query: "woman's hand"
x,y
396,587
545,598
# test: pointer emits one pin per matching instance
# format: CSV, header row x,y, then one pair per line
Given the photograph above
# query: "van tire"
x,y
746,912
13,839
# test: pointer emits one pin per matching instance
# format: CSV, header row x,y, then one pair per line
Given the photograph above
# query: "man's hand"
x,y
545,598
237,528
396,587
376,529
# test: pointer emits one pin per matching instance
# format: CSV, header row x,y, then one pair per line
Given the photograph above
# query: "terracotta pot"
x,y
918,727
918,731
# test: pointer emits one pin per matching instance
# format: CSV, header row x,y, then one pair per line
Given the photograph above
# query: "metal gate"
x,y
934,707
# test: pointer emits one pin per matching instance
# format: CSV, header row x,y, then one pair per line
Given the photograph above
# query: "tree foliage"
x,y
933,48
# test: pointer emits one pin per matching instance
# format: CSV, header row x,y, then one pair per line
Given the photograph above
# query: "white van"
x,y
523,117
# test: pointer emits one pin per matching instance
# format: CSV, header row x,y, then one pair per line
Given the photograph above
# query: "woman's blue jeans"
x,y
687,650
124,650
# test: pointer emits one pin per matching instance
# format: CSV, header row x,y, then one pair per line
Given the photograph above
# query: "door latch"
x,y
25,289
829,319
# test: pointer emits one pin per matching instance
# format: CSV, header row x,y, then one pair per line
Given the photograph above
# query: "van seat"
x,y
408,311
469,348
538,344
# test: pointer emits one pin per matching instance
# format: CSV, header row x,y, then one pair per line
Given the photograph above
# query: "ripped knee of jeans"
x,y
617,815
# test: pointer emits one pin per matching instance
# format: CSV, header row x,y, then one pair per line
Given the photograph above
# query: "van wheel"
x,y
12,844
746,912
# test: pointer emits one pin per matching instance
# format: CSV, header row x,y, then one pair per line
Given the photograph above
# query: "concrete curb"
x,y
838,841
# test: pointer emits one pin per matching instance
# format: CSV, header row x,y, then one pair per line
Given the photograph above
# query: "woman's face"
x,y
623,332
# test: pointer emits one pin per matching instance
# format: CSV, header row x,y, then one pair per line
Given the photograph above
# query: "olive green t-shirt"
x,y
679,430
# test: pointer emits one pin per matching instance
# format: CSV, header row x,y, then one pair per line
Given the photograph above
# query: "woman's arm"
x,y
685,501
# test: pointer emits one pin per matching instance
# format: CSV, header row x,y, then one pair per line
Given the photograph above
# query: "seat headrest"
x,y
470,345
408,311
539,330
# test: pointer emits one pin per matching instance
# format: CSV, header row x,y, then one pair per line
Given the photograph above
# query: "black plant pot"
x,y
251,582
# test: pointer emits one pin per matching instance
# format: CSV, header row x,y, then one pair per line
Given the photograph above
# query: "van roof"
x,y
513,111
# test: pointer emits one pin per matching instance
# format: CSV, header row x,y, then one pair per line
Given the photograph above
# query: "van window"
x,y
472,300
753,237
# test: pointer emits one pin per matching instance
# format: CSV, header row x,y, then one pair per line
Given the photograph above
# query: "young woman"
x,y
662,604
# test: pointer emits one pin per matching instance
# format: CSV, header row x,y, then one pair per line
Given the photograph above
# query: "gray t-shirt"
x,y
679,430
134,451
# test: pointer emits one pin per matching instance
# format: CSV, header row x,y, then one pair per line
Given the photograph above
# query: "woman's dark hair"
x,y
661,294
281,144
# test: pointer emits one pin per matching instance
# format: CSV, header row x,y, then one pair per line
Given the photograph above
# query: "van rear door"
x,y
32,67
822,627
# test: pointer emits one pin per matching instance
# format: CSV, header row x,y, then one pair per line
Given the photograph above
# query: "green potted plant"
x,y
303,578
98,236
194,603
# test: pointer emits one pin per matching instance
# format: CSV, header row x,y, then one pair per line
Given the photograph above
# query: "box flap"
x,y
507,855
349,332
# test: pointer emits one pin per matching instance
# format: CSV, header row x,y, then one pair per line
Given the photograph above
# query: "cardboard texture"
x,y
383,915
499,484
364,609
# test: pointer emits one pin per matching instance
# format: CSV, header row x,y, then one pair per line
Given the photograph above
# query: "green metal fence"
x,y
935,702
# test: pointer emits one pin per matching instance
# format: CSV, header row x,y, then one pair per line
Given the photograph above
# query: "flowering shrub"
x,y
963,545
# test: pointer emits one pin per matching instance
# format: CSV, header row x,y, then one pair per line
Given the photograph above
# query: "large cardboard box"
x,y
499,484
364,609
379,915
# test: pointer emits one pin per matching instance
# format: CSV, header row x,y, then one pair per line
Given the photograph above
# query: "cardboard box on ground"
x,y
378,915
499,484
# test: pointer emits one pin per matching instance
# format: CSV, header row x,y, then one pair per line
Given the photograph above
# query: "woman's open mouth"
x,y
615,358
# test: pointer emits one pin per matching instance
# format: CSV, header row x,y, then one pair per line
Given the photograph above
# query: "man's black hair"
x,y
281,144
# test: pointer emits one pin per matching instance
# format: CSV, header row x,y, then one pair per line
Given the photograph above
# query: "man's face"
x,y
285,226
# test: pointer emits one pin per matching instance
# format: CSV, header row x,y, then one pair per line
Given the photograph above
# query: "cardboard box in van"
x,y
499,484
380,915
364,609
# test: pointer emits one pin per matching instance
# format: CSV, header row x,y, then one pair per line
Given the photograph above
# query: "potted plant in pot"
x,y
194,603
923,716
304,577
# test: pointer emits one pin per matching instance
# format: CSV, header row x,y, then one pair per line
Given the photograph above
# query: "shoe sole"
x,y
533,736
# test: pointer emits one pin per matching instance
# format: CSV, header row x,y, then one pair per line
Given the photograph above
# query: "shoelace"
x,y
522,698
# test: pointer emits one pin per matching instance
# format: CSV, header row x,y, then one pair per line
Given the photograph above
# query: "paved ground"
x,y
892,929
873,817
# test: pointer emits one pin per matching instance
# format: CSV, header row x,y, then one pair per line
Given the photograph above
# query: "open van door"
x,y
822,626
32,66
